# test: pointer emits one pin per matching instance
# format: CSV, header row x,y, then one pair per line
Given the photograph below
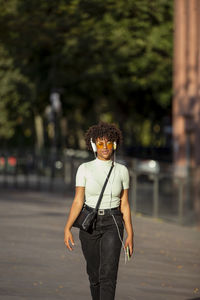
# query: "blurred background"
x,y
66,65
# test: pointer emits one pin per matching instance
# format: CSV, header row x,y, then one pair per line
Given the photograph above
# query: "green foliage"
x,y
112,60
15,95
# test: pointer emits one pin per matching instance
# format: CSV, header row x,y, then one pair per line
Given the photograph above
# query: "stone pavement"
x,y
35,263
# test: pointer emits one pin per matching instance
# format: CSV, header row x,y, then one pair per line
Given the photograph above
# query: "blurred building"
x,y
186,102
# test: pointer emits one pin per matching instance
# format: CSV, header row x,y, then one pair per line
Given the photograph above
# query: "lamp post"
x,y
55,110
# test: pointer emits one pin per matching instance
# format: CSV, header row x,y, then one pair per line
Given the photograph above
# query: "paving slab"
x,y
35,263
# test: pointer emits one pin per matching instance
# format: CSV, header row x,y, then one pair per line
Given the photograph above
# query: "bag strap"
x,y
103,188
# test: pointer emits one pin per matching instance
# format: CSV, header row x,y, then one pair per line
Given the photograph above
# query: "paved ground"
x,y
35,264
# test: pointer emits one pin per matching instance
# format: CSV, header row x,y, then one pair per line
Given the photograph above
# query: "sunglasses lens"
x,y
100,145
109,145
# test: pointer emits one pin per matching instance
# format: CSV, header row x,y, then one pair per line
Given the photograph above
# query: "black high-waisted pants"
x,y
101,249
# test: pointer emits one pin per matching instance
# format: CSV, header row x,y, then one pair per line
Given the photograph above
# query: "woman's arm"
x,y
73,214
125,209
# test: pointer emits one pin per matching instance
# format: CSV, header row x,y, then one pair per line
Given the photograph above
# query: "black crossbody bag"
x,y
85,219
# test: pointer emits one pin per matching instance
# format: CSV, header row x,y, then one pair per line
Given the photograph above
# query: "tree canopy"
x,y
110,60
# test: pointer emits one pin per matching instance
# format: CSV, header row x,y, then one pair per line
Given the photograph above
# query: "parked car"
x,y
147,168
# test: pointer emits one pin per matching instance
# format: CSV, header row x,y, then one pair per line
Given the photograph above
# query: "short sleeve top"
x,y
92,176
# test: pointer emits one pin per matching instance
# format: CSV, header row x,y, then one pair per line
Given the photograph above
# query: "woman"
x,y
101,247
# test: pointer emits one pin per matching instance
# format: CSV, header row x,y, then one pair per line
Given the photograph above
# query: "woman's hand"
x,y
68,239
129,244
125,209
73,214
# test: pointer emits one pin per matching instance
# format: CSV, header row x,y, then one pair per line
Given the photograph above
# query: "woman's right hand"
x,y
73,214
68,239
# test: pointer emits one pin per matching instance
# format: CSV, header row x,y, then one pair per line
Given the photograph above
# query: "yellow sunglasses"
x,y
109,145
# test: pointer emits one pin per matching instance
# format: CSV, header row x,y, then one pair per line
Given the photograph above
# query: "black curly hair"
x,y
103,130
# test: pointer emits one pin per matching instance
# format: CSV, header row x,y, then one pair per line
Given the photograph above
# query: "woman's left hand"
x,y
129,244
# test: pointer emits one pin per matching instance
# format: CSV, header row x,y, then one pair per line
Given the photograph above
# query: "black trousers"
x,y
101,249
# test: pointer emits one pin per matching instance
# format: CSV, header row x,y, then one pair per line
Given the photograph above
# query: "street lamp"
x,y
55,111
55,101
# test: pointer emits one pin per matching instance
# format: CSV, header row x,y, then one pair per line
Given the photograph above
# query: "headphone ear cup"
x,y
114,145
94,147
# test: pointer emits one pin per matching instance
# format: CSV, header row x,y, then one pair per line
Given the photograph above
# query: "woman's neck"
x,y
99,160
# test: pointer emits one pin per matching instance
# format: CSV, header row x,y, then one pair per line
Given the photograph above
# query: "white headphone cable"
x,y
123,246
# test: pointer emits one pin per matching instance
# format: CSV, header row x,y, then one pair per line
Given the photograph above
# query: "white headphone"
x,y
94,147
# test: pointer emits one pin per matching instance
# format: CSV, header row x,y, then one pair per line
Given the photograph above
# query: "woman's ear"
x,y
114,145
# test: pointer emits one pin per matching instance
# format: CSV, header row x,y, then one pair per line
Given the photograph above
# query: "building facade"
x,y
186,98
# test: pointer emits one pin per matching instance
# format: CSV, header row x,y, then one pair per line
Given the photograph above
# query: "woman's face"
x,y
104,148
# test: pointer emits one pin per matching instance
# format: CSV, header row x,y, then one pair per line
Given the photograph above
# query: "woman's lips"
x,y
105,152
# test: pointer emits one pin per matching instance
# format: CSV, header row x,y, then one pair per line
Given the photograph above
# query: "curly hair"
x,y
103,130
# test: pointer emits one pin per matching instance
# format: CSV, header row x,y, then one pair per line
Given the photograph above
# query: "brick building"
x,y
186,86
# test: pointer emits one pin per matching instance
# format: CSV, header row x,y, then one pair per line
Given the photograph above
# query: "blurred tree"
x,y
111,60
15,99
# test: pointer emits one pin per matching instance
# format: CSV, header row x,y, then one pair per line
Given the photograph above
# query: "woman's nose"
x,y
104,145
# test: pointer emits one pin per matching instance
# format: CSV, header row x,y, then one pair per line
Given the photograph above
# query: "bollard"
x,y
5,183
155,196
38,187
15,182
27,183
134,192
72,170
180,202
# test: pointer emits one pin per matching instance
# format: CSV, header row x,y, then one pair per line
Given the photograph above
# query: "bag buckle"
x,y
101,212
